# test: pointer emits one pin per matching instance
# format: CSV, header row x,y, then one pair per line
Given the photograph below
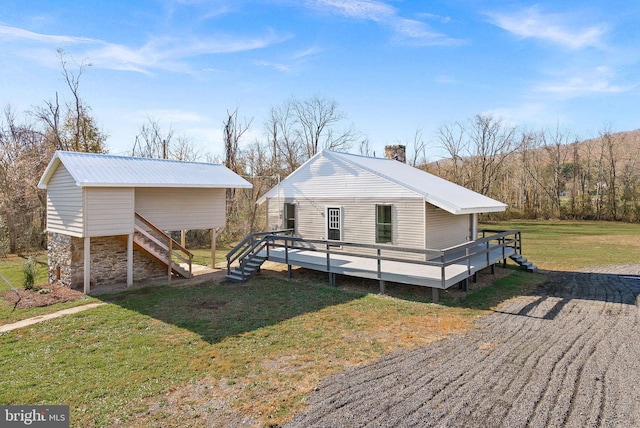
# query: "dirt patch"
x,y
31,298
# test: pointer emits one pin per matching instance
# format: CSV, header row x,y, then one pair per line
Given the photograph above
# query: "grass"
x,y
162,356
202,256
569,245
211,354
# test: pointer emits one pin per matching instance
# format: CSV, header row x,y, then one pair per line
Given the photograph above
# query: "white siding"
x,y
64,204
109,211
176,208
358,219
444,229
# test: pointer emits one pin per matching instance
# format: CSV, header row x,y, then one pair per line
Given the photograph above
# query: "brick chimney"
x,y
396,152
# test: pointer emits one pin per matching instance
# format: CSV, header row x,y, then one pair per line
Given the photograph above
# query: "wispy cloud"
x,y
168,53
576,83
285,68
406,31
291,63
559,29
14,34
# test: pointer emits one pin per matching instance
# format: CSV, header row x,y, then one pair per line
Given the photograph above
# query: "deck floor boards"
x,y
391,271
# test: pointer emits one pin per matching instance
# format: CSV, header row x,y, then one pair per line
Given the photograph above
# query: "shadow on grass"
x,y
489,291
216,311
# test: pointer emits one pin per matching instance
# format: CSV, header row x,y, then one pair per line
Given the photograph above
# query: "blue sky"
x,y
392,66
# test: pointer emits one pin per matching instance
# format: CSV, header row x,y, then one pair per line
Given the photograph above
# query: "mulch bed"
x,y
32,298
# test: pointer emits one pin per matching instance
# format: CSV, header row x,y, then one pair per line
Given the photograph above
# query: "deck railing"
x,y
487,242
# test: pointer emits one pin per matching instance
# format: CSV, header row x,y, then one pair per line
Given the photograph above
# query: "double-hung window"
x,y
290,217
383,224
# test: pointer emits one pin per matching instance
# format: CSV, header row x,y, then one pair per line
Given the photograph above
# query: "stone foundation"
x,y
108,261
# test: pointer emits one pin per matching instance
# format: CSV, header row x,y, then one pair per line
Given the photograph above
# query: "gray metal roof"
x,y
98,170
435,190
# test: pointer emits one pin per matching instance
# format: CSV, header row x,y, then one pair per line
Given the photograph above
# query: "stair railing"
x,y
250,245
165,242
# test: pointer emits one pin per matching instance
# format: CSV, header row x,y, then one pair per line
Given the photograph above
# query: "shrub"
x,y
30,270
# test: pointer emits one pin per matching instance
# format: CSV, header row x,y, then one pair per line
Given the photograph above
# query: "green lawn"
x,y
566,245
202,256
260,347
170,356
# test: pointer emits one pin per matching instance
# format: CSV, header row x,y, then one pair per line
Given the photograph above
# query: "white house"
x,y
376,218
368,200
100,208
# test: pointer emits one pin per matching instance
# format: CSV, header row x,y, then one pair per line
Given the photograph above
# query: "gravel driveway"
x,y
569,356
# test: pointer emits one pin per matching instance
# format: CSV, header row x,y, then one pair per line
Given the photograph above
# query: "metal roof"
x,y
435,190
98,170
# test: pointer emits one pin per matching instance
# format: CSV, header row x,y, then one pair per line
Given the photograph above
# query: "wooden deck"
x,y
413,273
438,269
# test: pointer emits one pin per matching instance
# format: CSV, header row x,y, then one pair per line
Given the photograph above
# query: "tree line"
x,y
546,173
538,174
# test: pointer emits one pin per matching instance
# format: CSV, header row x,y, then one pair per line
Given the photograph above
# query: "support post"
x,y
332,279
475,277
382,287
169,261
435,295
289,274
183,238
130,260
464,284
493,269
214,237
87,265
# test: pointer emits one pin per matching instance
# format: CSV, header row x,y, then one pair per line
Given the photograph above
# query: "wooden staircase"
x,y
523,262
157,245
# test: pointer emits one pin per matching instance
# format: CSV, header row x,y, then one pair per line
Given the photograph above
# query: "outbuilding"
x,y
108,216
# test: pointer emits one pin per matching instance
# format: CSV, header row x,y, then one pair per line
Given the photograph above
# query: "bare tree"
x,y
285,145
232,133
152,141
419,146
184,150
316,118
452,140
609,144
630,178
491,143
364,148
74,129
24,154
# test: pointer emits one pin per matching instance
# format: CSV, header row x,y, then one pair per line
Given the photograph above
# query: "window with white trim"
x,y
384,224
290,217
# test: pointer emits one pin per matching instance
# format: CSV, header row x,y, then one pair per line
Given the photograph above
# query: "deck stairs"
x,y
247,267
157,245
248,256
523,262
